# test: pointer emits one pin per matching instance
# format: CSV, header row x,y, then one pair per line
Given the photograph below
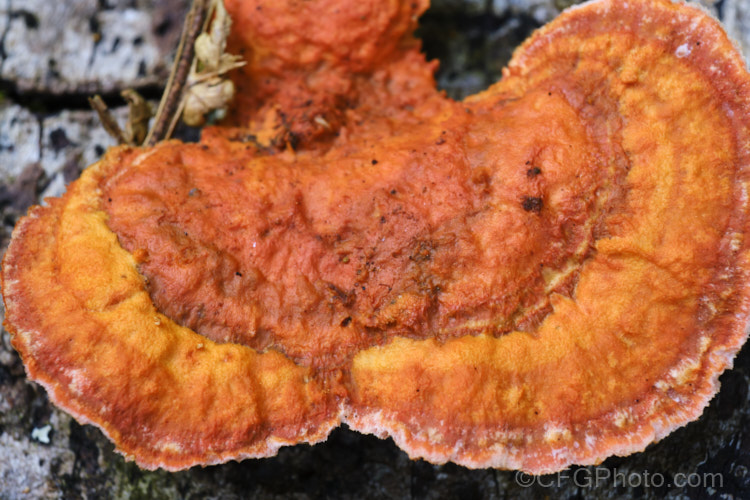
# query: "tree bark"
x,y
56,54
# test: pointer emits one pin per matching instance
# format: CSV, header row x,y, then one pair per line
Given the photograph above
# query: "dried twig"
x,y
108,121
167,114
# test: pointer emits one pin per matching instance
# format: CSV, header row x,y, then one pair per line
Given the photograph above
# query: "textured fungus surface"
x,y
550,272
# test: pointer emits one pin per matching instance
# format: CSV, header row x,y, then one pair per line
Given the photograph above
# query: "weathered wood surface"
x,y
54,54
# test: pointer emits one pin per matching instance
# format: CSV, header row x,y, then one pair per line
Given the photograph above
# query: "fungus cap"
x,y
550,272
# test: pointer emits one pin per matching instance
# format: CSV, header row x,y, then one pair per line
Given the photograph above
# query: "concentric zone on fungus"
x,y
550,272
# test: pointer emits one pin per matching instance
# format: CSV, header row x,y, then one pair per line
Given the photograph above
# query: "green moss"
x,y
132,483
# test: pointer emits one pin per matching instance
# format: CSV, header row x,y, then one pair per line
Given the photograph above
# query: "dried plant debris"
x,y
191,94
207,90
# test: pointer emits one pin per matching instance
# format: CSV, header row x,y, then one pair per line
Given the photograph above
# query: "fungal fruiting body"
x,y
550,272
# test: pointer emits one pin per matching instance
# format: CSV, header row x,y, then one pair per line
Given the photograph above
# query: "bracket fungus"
x,y
550,272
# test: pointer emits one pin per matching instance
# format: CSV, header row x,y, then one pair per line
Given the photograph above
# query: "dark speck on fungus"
x,y
532,204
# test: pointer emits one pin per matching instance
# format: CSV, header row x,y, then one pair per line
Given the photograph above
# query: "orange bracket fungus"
x,y
550,272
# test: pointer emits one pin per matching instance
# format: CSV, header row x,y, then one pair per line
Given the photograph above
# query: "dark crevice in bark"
x,y
6,28
48,103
